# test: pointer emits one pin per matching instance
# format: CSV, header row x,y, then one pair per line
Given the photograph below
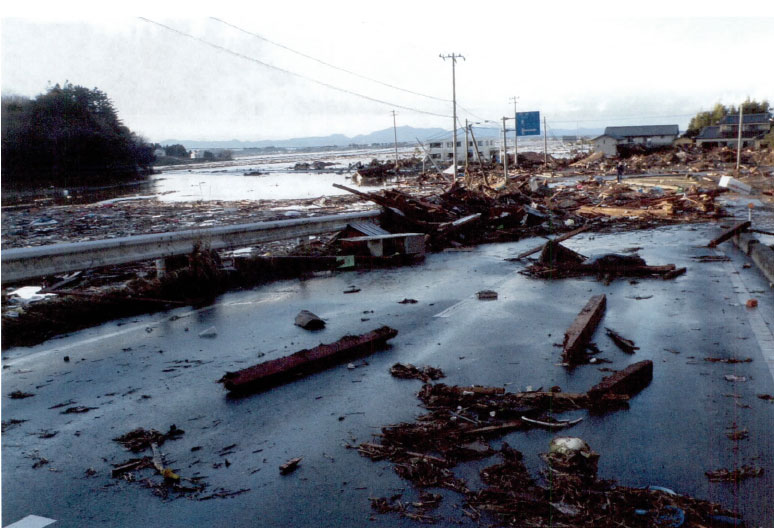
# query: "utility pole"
x,y
545,143
454,57
739,138
466,145
515,132
478,153
505,152
395,130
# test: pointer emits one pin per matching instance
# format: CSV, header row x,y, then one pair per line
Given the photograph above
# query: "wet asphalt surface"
x,y
154,371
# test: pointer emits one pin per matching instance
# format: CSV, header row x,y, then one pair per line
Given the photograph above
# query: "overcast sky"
x,y
587,65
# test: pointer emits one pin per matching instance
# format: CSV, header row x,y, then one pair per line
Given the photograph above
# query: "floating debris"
x,y
409,371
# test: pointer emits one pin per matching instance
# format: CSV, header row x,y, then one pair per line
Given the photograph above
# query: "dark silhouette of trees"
x,y
69,135
176,151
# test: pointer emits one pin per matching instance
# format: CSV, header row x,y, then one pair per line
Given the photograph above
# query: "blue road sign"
x,y
528,123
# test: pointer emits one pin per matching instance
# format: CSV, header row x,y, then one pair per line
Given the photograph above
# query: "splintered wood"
x,y
578,335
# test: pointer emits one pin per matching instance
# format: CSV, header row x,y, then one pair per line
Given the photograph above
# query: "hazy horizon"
x,y
235,77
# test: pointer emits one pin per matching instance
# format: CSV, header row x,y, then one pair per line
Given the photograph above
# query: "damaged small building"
x,y
647,136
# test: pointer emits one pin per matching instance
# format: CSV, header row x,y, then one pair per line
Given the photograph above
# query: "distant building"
x,y
726,133
648,136
444,150
159,152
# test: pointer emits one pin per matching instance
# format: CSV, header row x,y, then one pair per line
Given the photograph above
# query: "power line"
x,y
320,61
619,118
289,72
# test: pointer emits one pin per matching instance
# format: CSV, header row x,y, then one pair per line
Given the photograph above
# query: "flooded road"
x,y
153,371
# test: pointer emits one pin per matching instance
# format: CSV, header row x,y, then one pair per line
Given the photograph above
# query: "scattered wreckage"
x,y
462,423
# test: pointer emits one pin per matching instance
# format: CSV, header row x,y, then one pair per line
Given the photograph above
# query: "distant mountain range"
x,y
406,134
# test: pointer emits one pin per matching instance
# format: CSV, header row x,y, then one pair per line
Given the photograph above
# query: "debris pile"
x,y
478,213
461,423
557,261
141,439
676,160
409,371
376,172
171,483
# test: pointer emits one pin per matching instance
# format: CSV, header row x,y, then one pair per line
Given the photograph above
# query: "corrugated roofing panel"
x,y
368,228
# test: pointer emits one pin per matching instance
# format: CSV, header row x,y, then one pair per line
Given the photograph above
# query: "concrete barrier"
x,y
761,254
26,263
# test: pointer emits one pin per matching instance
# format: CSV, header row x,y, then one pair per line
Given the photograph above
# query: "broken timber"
x,y
738,228
628,381
627,345
578,335
270,373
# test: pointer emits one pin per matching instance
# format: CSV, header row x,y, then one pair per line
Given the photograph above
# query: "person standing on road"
x,y
620,168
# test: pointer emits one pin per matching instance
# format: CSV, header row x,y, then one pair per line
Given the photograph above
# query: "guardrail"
x,y
27,263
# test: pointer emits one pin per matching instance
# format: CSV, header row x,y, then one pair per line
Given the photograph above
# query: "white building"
x,y
443,151
648,136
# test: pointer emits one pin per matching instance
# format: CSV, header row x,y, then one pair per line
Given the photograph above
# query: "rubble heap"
x,y
461,423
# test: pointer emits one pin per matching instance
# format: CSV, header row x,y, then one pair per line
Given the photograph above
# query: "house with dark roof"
x,y
648,136
726,133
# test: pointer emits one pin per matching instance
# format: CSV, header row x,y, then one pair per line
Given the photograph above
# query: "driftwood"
x,y
578,335
270,373
628,381
627,345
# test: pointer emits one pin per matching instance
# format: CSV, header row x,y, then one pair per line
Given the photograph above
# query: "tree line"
x,y
70,135
179,152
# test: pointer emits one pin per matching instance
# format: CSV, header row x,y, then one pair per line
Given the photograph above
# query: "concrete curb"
x,y
761,254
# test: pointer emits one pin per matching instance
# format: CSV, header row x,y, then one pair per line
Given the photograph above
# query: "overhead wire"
x,y
289,72
324,63
345,70
619,118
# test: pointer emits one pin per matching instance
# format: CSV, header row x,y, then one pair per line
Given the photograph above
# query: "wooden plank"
x,y
738,228
561,238
628,381
270,373
578,335
513,424
621,211
489,391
